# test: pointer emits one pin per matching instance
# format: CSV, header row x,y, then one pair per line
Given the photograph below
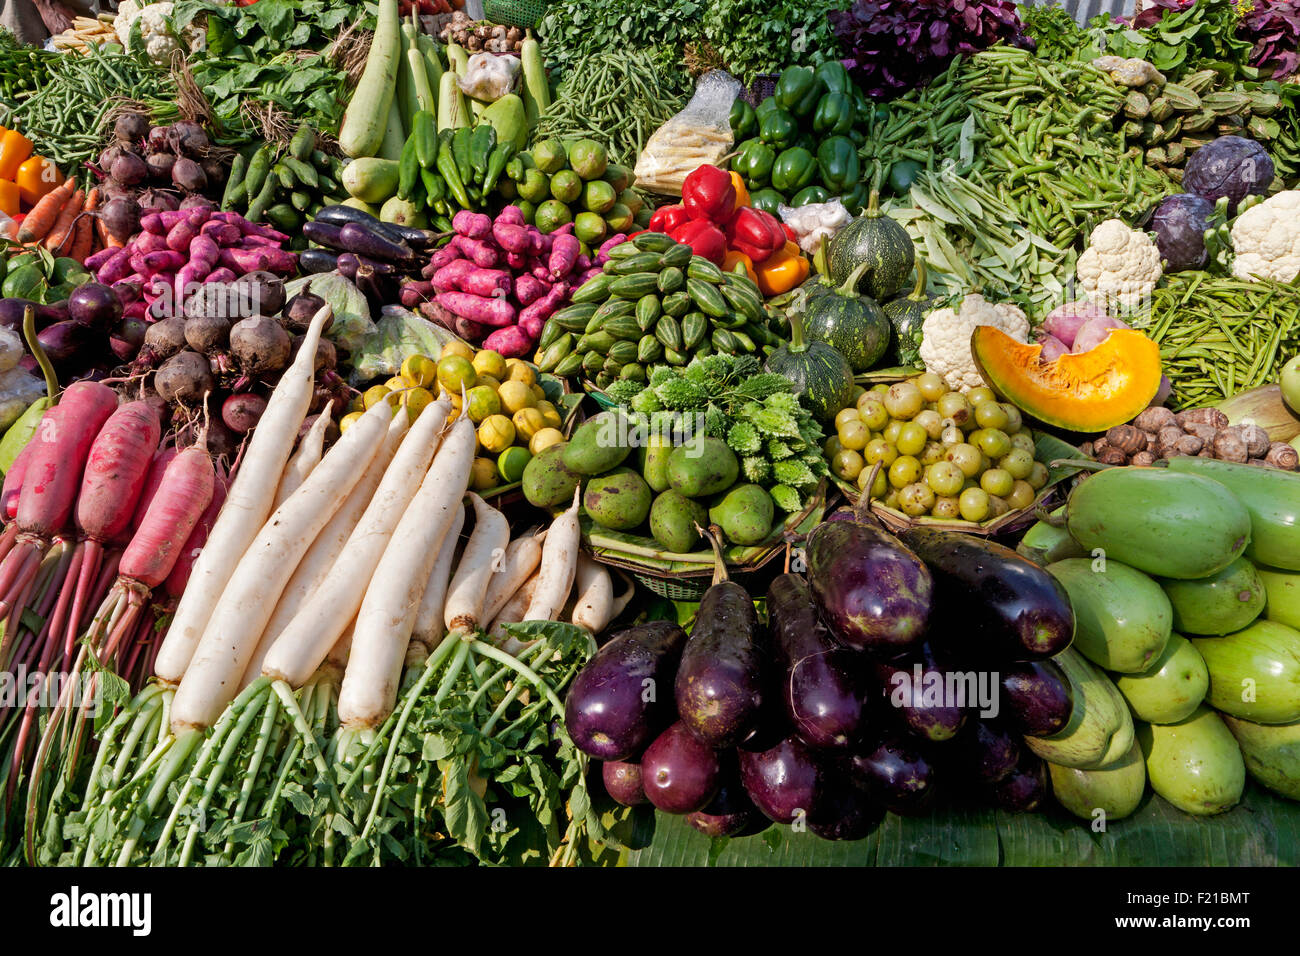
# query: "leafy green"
x,y
760,36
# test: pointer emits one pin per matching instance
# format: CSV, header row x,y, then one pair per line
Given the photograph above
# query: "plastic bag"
x,y
699,134
814,223
490,77
400,333
11,349
18,389
352,321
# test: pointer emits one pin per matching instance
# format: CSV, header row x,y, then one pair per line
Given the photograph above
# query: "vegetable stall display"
x,y
390,396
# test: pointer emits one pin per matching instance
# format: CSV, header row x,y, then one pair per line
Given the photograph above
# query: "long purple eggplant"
x,y
820,681
679,773
373,243
783,780
622,698
896,774
916,687
987,750
1037,697
873,592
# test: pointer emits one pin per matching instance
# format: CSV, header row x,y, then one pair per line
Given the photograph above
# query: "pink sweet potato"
x,y
472,225
511,237
510,342
564,253
528,289
481,252
534,317
512,215
497,313
447,279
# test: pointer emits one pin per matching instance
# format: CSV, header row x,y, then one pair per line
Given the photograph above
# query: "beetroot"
x,y
207,334
129,169
260,345
242,412
185,378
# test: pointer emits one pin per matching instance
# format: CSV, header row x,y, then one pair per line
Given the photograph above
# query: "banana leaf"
x,y
1263,830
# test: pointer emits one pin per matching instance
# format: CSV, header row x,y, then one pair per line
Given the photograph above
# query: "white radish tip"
x,y
576,494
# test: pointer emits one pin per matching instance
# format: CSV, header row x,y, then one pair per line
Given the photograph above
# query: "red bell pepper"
x,y
756,233
705,238
789,233
667,218
708,194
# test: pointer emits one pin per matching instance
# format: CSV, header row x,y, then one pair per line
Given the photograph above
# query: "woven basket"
x,y
764,85
514,13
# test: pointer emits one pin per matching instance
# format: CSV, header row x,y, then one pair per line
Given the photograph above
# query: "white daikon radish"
x,y
516,566
307,457
595,596
428,629
559,565
463,610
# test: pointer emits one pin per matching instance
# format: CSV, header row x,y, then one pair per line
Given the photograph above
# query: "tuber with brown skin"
x,y
184,378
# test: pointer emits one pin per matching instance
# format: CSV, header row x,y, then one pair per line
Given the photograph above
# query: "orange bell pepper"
x,y
742,194
14,149
783,271
8,198
36,177
733,257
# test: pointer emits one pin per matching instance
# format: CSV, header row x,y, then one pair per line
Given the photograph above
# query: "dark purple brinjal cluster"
x,y
839,709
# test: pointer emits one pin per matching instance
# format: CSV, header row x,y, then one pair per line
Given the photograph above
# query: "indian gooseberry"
x,y
946,508
974,504
966,457
879,450
933,452
1023,440
854,435
1017,462
1015,421
1022,495
931,421
890,432
911,439
847,465
952,435
993,443
903,400
1037,476
996,481
904,471
916,499
873,413
990,415
955,406
879,484
978,396
932,386
945,478
831,447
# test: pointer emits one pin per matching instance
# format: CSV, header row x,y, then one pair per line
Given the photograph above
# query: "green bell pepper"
x,y
765,107
855,200
754,163
902,174
744,121
793,170
797,90
835,115
837,160
810,195
778,129
767,200
834,77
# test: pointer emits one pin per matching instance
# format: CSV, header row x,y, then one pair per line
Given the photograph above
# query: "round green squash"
x,y
880,242
907,314
852,324
821,376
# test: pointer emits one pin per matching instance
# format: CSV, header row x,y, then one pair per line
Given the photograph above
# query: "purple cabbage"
x,y
1179,223
894,46
1231,166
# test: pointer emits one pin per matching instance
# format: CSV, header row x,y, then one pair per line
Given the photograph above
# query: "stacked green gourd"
x,y
284,185
656,303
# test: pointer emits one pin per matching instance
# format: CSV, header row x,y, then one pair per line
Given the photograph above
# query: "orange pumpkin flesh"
x,y
1084,392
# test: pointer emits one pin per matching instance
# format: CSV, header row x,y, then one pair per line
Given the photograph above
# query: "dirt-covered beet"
x,y
260,293
207,333
162,340
185,377
259,345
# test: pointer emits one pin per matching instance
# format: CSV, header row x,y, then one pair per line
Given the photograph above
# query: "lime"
x,y
416,400
528,210
496,433
535,187
598,196
632,199
490,381
482,402
551,215
588,227
588,158
511,464
550,415
375,394
488,362
549,155
456,372
566,186
619,218
346,421
517,370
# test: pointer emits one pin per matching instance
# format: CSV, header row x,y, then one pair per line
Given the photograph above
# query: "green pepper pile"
x,y
800,145
442,171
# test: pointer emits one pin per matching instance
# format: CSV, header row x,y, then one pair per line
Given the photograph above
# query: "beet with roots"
x,y
242,412
261,293
121,217
188,175
188,138
207,334
162,340
184,378
213,169
331,430
160,164
259,345
196,201
131,128
299,310
159,200
108,157
159,140
129,169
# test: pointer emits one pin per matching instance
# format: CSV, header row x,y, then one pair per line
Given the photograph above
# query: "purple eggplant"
x,y
896,774
992,604
11,313
987,750
679,773
730,812
842,810
1038,697
820,682
323,234
719,687
342,215
312,261
622,781
65,341
1025,788
783,780
917,688
622,698
373,243
873,592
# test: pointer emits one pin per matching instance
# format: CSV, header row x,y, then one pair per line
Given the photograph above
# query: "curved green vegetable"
x,y
21,431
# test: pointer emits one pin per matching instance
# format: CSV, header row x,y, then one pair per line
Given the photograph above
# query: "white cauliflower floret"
x,y
160,42
1121,265
1266,239
945,342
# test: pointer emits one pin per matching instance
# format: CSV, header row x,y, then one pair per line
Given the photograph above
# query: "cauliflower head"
x,y
1266,239
945,342
1121,265
160,42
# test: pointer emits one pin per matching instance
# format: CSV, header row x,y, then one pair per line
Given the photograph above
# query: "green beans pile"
x,y
617,99
1220,336
65,117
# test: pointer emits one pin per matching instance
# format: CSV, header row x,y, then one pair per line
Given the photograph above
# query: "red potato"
x,y
497,313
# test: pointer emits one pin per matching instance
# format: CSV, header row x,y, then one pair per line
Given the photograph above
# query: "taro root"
x,y
1143,459
1282,455
1169,437
259,345
1112,456
185,378
1127,439
1230,445
1256,439
1155,419
1188,445
1203,416
1204,432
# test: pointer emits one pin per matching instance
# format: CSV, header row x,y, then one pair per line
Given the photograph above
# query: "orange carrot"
x,y
63,226
45,213
84,242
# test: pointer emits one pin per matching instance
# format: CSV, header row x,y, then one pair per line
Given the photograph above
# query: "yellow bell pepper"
x,y
8,198
14,149
782,271
733,257
742,194
36,177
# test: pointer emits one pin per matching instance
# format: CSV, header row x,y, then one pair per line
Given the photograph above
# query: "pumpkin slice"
x,y
1085,391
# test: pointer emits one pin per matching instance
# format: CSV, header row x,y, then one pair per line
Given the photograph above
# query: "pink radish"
x,y
157,468
180,573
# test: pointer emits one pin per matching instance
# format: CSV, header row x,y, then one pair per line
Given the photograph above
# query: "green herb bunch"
x,y
760,36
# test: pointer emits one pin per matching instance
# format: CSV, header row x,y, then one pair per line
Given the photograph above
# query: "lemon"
x,y
544,439
346,421
481,402
488,362
496,434
550,414
416,400
463,349
511,464
420,369
528,422
490,381
515,395
375,394
539,393
483,474
455,372
358,403
517,370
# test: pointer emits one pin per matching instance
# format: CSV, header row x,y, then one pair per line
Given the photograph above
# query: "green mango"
x,y
619,500
1122,619
1255,673
673,518
1220,604
745,514
653,458
1272,754
1282,589
547,483
1117,790
20,433
1171,688
702,467
1045,543
598,445
1194,764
